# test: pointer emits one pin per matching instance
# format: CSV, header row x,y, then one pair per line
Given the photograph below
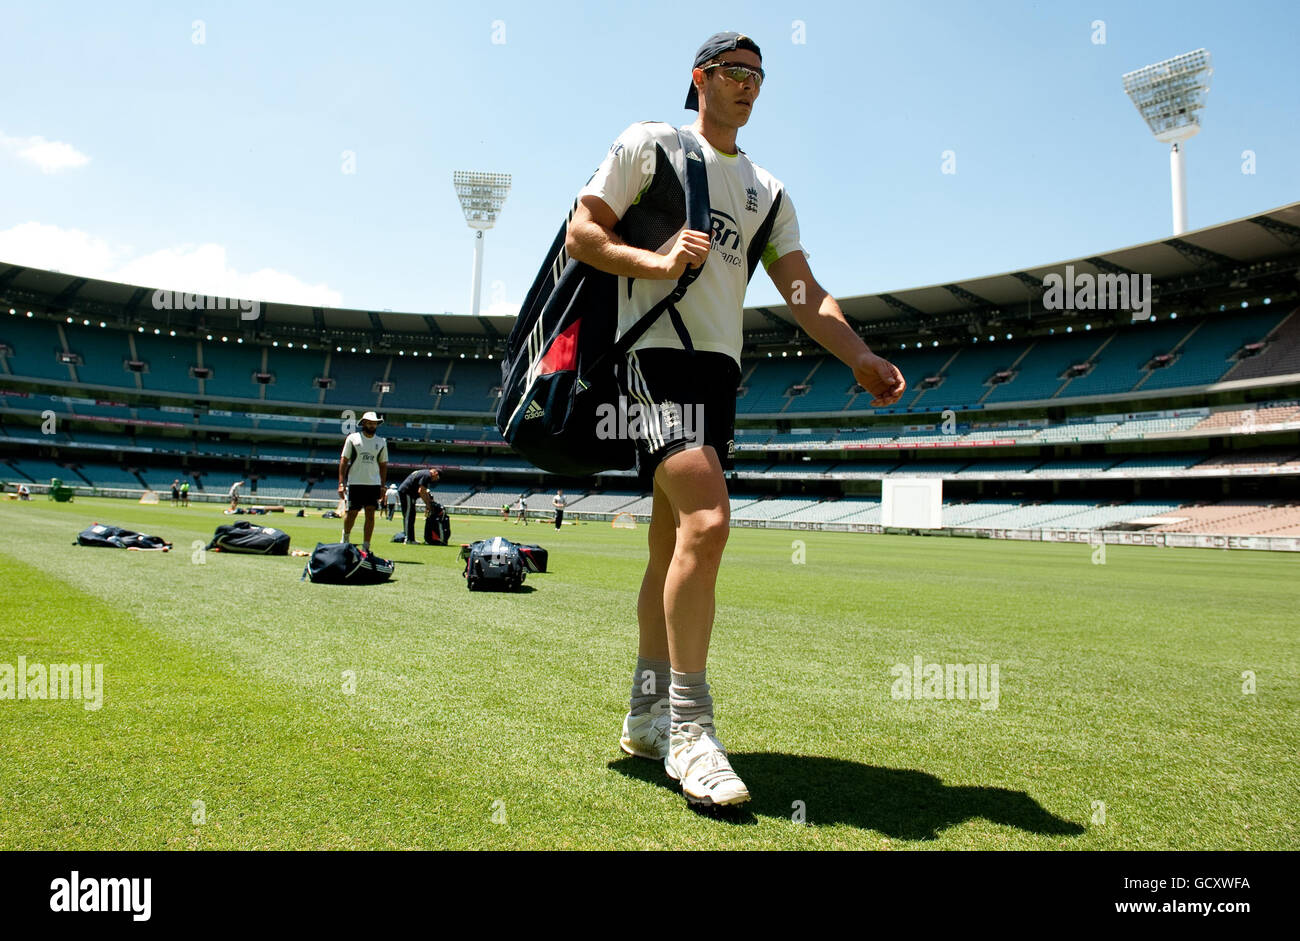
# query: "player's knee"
x,y
706,531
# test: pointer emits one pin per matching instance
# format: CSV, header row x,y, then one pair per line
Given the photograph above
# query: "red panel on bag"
x,y
563,353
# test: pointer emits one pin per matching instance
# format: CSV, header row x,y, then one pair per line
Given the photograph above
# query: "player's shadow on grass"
x,y
902,804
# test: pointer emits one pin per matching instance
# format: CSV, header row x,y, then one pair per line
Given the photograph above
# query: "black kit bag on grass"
x,y
245,537
561,358
342,563
115,537
437,527
494,565
534,558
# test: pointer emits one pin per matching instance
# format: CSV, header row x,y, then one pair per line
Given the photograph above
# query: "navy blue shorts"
x,y
683,400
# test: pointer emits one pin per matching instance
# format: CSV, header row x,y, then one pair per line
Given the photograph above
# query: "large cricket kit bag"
x,y
534,558
559,375
494,565
437,527
342,563
114,537
245,537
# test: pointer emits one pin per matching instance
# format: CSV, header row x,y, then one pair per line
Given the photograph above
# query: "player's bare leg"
x,y
696,489
369,527
645,730
349,517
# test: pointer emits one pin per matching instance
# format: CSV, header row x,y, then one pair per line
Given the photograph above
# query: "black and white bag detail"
x,y
535,558
494,565
560,362
255,540
115,537
342,563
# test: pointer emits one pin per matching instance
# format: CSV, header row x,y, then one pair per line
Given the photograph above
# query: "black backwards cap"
x,y
713,47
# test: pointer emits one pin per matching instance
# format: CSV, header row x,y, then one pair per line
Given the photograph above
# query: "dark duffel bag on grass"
x,y
342,563
437,527
245,537
115,537
494,565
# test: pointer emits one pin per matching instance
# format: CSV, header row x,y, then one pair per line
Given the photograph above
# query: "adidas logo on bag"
x,y
533,411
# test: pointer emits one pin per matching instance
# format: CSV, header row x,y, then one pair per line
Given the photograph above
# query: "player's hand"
x,y
340,490
691,248
881,378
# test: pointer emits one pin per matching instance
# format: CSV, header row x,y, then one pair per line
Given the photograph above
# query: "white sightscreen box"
x,y
912,503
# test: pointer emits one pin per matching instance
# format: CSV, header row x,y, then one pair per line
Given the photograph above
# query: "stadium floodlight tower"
x,y
1171,96
481,196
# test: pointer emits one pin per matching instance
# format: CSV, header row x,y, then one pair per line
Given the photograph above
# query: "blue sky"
x,y
130,151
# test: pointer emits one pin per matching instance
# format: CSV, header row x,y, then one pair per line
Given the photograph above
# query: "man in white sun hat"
x,y
363,468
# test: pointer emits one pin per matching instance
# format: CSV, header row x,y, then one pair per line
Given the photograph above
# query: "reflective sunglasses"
x,y
739,73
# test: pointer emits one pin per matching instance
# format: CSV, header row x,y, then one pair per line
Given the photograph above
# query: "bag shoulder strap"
x,y
698,218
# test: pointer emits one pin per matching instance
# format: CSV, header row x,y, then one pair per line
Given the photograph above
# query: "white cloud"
x,y
196,269
49,156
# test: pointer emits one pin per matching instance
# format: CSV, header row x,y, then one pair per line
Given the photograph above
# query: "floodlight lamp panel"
x,y
481,196
1170,95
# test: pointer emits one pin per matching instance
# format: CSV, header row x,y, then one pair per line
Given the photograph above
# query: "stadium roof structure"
x,y
1230,253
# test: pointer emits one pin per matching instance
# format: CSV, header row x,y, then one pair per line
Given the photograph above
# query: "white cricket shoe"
x,y
646,735
699,761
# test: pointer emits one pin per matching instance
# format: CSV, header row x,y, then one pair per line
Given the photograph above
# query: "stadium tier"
x,y
1031,417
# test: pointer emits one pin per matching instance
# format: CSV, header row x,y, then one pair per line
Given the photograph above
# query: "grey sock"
x,y
649,684
689,700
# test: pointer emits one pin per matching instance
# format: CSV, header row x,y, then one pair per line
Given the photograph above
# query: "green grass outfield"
x,y
224,682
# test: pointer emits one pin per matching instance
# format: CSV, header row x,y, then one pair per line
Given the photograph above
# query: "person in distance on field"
x,y
559,503
671,717
363,466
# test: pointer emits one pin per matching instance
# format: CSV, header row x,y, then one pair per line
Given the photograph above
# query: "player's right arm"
x,y
619,181
592,240
345,461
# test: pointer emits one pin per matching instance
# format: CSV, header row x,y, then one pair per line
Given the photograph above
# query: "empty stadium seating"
x,y
232,368
1119,363
34,345
295,375
1204,356
472,382
1280,357
103,353
1039,375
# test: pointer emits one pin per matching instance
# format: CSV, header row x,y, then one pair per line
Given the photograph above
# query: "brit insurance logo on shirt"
x,y
726,237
